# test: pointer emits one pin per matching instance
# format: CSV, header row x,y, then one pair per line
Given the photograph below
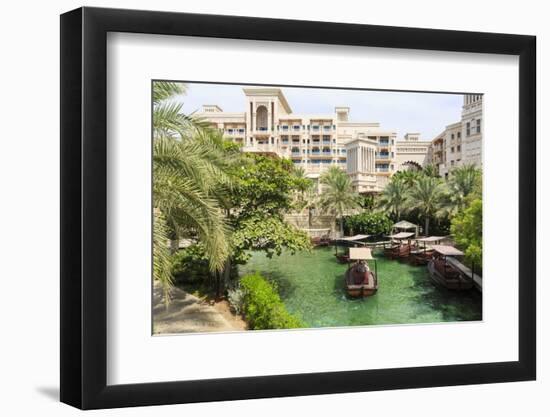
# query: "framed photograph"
x,y
256,208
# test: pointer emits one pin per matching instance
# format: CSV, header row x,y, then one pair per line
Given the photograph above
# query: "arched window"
x,y
261,118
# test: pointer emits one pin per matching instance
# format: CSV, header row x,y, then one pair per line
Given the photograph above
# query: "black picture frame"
x,y
84,207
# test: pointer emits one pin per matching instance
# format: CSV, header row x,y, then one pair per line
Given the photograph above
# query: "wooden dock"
x,y
478,282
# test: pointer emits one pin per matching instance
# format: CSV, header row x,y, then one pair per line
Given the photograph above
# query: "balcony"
x,y
382,155
266,148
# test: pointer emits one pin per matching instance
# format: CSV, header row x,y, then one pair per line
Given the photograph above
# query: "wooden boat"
x,y
320,241
343,257
423,253
398,249
360,281
389,252
444,273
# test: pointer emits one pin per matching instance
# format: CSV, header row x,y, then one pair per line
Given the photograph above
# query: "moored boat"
x,y
343,257
423,253
360,281
399,249
444,273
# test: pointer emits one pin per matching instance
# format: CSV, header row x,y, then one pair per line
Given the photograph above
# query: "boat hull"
x,y
455,283
367,288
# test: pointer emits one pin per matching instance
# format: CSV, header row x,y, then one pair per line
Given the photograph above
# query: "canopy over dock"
x,y
405,225
352,238
431,239
360,254
447,250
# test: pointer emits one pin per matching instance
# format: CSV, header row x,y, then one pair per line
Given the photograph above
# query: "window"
x,y
261,118
478,125
458,135
452,149
452,163
452,135
468,129
458,148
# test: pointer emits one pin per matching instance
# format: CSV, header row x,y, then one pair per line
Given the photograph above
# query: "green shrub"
x,y
467,230
190,265
367,223
263,307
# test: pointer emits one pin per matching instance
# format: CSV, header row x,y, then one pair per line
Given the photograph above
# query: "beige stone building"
x,y
369,153
461,142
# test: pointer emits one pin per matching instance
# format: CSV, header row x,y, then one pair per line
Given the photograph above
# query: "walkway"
x,y
478,281
187,314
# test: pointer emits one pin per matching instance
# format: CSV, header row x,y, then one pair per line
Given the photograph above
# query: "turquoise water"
x,y
312,286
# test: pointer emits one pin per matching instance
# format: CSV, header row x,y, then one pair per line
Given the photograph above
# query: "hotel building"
x,y
315,142
461,142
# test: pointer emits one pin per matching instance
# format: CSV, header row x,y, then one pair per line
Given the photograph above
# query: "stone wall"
x,y
300,221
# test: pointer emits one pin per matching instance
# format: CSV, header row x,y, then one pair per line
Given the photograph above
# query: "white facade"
x,y
315,142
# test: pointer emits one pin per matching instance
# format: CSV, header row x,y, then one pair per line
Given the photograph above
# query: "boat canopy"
x,y
402,235
431,239
360,254
353,238
447,250
403,224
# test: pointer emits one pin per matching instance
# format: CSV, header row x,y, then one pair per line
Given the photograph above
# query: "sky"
x,y
425,113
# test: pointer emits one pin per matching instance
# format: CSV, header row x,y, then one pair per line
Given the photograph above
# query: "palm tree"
x,y
408,177
162,264
464,180
310,201
394,196
189,168
338,195
431,171
306,197
426,196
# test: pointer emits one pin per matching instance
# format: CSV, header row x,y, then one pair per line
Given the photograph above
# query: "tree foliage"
x,y
269,234
427,196
263,193
467,229
394,195
465,181
162,265
368,223
338,195
190,168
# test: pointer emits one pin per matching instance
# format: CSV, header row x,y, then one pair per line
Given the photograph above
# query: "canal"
x,y
311,285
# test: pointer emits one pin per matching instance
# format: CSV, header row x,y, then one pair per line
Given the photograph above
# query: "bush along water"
x,y
262,306
367,223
